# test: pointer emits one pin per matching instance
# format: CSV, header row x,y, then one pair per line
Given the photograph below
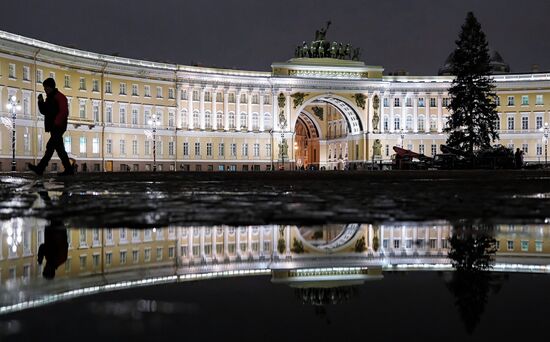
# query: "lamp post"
x,y
545,140
153,122
402,138
13,106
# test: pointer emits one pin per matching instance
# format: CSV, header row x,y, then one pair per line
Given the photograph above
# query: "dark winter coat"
x,y
56,112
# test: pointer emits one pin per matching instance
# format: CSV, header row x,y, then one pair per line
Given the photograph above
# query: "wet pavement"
x,y
169,198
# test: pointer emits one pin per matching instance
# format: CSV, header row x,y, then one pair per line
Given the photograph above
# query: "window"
x,y
434,149
207,96
195,95
159,92
171,120
207,120
219,120
255,121
108,258
268,150
186,149
396,244
147,254
432,102
109,118
510,245
244,121
82,109
123,234
497,100
231,97
421,148
525,148
510,123
409,123
231,120
39,76
408,102
396,123
196,119
245,150
510,100
95,85
386,123
122,115
135,90
421,102
538,122
539,149
134,147
256,150
135,256
396,102
171,93
147,91
171,148
26,73
421,123
524,100
539,100
82,84
197,149
524,245
209,149
221,149
159,253
497,122
538,246
122,89
82,262
68,144
387,150
109,146
82,145
122,146
233,150
171,252
123,257
134,116
11,71
67,81
525,122
108,89
95,145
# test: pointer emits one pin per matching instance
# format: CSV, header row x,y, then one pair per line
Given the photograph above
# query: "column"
x,y
428,117
261,247
226,242
249,240
249,111
438,238
214,233
201,107
392,121
382,110
238,240
274,112
274,241
214,115
289,126
178,107
415,112
368,116
287,237
201,243
381,239
439,113
427,239
391,238
238,111
261,116
190,107
415,238
225,110
190,242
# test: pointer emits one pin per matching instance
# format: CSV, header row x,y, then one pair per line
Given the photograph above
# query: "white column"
x,y
274,241
426,238
249,110
214,115
178,106
201,242
261,114
226,241
190,242
238,240
439,113
428,117
287,237
391,237
392,121
201,107
415,113
261,247
289,126
249,240
238,111
415,238
274,113
214,233
225,110
382,111
190,108
438,238
381,237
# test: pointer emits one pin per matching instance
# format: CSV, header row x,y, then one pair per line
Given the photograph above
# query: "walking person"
x,y
518,156
56,113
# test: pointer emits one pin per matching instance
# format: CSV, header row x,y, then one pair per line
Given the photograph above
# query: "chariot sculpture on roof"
x,y
322,48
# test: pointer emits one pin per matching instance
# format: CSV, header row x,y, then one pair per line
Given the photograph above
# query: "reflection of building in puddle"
x,y
111,256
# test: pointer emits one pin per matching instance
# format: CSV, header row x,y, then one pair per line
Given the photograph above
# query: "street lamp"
x,y
402,138
154,120
13,106
545,140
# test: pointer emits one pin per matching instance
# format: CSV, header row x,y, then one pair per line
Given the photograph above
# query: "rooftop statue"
x,y
322,33
322,48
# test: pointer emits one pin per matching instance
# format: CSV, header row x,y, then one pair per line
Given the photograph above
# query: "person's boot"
x,y
36,169
69,171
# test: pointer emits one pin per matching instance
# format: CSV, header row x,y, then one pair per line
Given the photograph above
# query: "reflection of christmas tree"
x,y
472,254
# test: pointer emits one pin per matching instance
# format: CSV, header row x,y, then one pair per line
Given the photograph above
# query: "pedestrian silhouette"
x,y
54,249
56,113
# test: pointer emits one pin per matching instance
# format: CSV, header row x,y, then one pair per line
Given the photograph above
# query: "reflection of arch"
x,y
348,110
344,239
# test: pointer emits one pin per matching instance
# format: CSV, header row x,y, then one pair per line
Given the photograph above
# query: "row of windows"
x,y
231,248
124,235
232,120
231,97
123,258
420,101
539,100
232,149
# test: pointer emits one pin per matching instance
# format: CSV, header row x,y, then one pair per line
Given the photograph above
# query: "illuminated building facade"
x,y
321,113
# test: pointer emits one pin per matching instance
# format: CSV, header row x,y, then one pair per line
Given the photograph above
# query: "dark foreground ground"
x,y
167,198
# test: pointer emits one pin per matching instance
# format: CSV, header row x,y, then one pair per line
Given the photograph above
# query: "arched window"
x,y
196,119
244,120
255,121
267,121
421,123
409,123
396,123
219,120
433,123
207,120
231,120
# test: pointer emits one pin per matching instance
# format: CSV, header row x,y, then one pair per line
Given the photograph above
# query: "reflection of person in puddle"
x,y
54,248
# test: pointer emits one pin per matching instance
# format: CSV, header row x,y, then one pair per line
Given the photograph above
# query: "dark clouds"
x,y
415,35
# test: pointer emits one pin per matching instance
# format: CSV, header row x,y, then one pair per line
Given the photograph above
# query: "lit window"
x,y
524,100
539,100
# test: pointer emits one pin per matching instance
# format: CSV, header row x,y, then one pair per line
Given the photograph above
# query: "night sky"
x,y
415,36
